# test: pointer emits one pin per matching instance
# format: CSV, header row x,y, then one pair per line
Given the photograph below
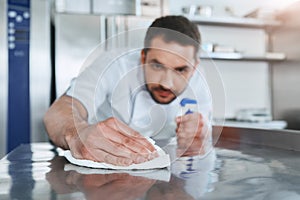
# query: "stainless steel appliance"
x,y
80,28
26,56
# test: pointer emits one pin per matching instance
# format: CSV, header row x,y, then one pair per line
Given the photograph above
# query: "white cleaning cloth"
x,y
162,161
155,174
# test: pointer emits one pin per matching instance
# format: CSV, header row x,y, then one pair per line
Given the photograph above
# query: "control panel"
x,y
18,38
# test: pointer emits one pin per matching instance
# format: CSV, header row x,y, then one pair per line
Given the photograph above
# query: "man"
x,y
111,106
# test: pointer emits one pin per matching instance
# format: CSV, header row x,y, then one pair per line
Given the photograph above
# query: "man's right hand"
x,y
110,141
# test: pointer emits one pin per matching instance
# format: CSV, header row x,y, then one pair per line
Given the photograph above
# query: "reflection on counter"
x,y
81,182
95,185
245,164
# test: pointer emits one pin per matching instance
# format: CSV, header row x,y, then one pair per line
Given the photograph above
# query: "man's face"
x,y
168,68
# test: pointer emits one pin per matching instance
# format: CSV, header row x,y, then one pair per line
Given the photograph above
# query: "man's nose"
x,y
167,80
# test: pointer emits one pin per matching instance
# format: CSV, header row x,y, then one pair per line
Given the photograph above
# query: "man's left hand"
x,y
193,134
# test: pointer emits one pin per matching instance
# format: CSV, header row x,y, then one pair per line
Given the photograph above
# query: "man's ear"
x,y
143,57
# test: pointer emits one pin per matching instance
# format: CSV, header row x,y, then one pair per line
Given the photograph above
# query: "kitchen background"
x,y
253,44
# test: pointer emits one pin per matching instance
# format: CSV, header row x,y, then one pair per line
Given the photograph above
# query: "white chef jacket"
x,y
114,86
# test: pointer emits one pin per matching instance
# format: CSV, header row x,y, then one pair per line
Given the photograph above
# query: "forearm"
x,y
63,119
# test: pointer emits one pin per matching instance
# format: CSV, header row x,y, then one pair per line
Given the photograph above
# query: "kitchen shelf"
x,y
268,57
235,21
276,124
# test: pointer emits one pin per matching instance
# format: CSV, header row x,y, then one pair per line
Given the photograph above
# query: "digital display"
x,y
19,2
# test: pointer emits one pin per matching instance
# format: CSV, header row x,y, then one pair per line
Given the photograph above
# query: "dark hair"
x,y
171,28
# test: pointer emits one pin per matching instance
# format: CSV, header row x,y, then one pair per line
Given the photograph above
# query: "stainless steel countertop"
x,y
233,170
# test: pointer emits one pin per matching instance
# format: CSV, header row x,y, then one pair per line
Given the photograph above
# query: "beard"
x,y
166,97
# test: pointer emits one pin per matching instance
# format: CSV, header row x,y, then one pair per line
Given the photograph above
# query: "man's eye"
x,y
156,66
182,70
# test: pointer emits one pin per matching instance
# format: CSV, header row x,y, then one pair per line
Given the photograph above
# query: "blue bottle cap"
x,y
185,101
